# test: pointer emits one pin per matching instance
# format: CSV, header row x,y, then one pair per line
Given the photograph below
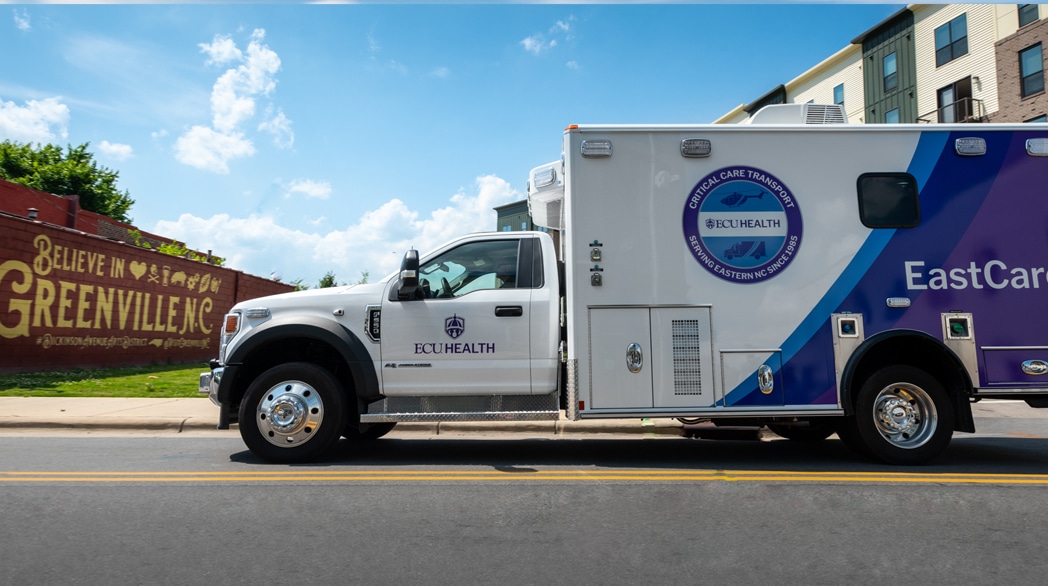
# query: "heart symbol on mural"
x,y
138,269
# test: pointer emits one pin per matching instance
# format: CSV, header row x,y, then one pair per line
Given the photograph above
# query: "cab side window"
x,y
474,266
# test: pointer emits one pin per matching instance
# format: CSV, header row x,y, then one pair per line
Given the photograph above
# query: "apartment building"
x,y
931,63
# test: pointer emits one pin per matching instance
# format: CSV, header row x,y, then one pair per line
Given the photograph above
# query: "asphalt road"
x,y
196,509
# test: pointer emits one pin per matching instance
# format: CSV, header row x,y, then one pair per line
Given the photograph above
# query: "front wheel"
x,y
292,413
902,416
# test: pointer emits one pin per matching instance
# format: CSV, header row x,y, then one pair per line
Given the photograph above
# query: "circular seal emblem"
x,y
742,224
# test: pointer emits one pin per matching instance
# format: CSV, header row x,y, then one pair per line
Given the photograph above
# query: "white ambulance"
x,y
795,272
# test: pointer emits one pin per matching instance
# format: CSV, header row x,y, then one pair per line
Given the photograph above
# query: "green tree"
x,y
328,280
72,171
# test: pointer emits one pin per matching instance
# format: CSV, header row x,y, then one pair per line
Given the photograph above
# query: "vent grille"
x,y
687,358
824,114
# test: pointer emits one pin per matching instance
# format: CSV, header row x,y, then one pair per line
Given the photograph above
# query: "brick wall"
x,y
1012,106
65,211
75,300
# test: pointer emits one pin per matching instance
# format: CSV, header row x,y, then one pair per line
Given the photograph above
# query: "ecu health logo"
x,y
454,326
742,224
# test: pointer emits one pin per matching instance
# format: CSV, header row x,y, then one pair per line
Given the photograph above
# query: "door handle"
x,y
509,311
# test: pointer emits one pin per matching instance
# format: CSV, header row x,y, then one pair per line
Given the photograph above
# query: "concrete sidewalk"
x,y
182,415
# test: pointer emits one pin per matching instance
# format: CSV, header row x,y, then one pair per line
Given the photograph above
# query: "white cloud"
x,y
280,127
210,150
539,43
441,72
572,65
309,188
233,103
22,20
376,243
36,121
120,152
221,50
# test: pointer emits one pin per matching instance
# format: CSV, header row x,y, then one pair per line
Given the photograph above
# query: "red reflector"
x,y
582,405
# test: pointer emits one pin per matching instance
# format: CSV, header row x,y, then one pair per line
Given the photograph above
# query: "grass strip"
x,y
157,382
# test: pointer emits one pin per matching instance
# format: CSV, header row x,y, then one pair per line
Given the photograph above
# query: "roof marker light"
x,y
972,146
545,177
1037,147
596,149
695,148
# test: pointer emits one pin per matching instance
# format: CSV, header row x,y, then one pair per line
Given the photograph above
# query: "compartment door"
x,y
683,357
621,360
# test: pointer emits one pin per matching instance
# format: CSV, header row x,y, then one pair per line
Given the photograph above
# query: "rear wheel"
x,y
902,416
292,413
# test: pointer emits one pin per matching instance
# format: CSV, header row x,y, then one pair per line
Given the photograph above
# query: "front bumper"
x,y
216,385
210,383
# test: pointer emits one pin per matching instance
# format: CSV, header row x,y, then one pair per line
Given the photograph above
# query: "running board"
x,y
464,408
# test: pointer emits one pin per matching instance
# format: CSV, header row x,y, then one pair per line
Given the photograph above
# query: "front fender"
x,y
346,345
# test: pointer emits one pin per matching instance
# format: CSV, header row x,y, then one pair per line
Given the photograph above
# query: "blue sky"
x,y
300,139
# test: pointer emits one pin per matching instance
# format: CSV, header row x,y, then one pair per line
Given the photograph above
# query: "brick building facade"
x,y
1014,107
71,297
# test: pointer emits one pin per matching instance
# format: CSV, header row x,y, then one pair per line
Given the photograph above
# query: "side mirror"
x,y
408,276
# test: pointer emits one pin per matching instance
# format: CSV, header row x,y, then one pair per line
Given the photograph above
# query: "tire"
x,y
815,431
849,436
373,431
902,416
292,413
691,420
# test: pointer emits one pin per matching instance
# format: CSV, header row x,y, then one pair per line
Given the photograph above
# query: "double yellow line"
x,y
315,475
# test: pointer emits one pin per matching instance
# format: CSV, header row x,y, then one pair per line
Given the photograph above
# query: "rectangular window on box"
x,y
888,200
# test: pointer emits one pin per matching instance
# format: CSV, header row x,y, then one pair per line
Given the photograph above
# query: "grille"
x,y
687,359
823,114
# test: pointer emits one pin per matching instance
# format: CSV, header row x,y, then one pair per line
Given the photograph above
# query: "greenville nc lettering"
x,y
39,302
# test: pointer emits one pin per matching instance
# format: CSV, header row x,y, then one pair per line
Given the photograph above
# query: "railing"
x,y
963,110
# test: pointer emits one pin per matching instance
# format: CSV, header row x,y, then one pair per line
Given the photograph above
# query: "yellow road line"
x,y
518,475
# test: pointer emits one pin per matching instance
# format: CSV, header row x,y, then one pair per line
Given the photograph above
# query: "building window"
x,y
838,94
1041,118
891,76
951,40
892,117
1031,68
1027,14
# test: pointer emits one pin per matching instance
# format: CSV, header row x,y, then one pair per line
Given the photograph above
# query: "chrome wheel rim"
x,y
289,413
905,415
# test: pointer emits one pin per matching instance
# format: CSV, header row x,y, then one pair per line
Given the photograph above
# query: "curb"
x,y
177,425
552,428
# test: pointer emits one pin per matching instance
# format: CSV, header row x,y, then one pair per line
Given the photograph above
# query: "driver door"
x,y
467,333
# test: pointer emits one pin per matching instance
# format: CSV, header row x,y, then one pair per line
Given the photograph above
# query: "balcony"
x,y
961,111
